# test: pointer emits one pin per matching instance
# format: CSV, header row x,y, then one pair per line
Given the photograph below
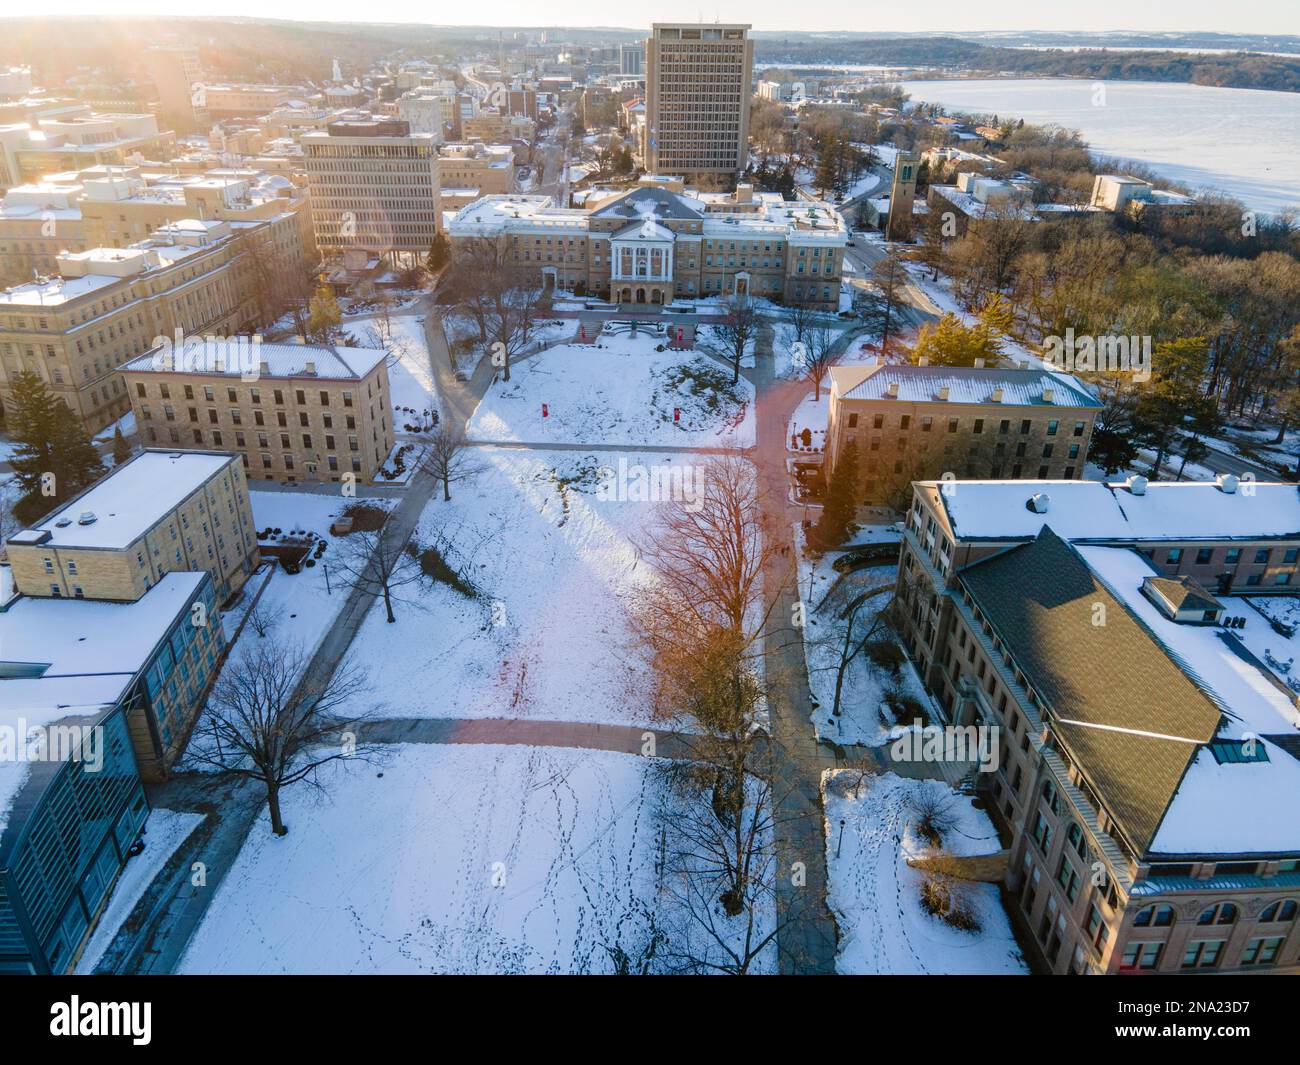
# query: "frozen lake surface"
x,y
1245,142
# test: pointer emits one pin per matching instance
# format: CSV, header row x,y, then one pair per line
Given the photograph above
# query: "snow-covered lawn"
x,y
618,391
444,859
863,694
555,570
164,832
298,607
301,605
876,896
410,375
811,414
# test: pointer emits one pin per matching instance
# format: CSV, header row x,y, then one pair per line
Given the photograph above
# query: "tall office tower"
x,y
631,59
698,84
175,71
374,189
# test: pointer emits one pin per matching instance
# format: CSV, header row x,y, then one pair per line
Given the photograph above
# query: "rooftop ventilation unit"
x,y
995,396
1137,485
88,517
1227,483
943,392
1047,395
892,390
1039,502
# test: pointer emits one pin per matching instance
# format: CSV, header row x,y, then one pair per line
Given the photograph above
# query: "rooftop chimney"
x,y
892,390
265,368
310,369
996,395
924,360
1047,395
979,364
943,392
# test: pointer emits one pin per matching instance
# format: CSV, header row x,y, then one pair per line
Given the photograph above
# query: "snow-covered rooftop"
x,y
1234,807
1090,510
326,362
130,500
75,659
965,384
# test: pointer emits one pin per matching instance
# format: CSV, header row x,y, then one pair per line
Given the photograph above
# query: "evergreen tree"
x,y
325,314
950,342
439,252
1174,397
841,505
121,449
54,458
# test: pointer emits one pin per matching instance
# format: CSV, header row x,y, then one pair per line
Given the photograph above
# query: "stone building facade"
x,y
295,412
656,242
921,422
1130,792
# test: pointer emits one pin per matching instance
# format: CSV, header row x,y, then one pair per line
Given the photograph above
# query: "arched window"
x,y
1282,910
1222,913
1075,837
1154,917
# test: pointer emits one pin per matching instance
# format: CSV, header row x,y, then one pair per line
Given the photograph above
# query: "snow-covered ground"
x,y
862,718
547,635
298,607
445,859
410,374
618,391
876,896
301,605
811,414
164,832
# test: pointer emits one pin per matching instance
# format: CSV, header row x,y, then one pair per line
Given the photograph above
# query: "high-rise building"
x,y
374,189
631,59
698,83
175,71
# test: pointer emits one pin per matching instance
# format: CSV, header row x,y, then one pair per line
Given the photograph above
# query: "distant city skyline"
x,y
1159,16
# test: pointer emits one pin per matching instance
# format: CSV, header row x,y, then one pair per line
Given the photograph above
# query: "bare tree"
x,y
735,334
852,637
802,315
265,722
503,300
719,872
260,619
379,563
449,459
819,354
279,284
700,621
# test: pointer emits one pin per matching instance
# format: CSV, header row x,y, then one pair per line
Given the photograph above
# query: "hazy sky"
x,y
1258,16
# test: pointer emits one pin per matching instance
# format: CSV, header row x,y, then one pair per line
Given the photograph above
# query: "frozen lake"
x,y
1245,142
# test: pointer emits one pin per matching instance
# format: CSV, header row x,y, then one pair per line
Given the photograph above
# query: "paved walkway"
x,y
625,739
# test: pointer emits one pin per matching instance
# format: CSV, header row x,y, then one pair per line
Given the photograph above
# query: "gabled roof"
x,y
1183,593
646,199
1127,714
647,230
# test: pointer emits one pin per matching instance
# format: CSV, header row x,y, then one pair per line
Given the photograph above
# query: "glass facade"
x,y
65,856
